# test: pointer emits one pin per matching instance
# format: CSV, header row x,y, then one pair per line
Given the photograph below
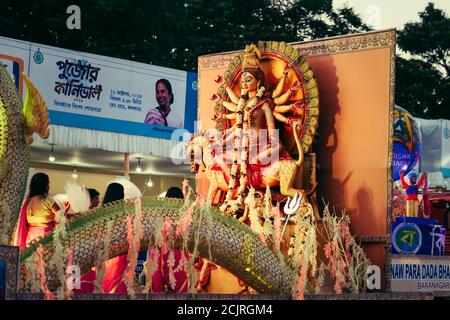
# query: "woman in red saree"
x,y
161,278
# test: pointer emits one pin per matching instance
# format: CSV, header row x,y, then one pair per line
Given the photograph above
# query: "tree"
x,y
172,33
417,84
423,83
429,39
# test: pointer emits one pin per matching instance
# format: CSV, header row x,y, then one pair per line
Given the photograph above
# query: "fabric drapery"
x,y
110,141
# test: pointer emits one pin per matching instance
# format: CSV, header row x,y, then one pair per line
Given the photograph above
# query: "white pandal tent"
x,y
436,151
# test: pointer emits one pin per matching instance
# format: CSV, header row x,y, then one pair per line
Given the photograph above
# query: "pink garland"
x,y
165,234
327,250
345,231
69,263
329,255
151,266
186,221
132,257
262,238
277,225
42,277
333,269
337,286
185,188
302,280
171,265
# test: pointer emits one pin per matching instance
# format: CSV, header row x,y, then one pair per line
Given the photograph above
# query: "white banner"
x,y
415,274
445,157
102,93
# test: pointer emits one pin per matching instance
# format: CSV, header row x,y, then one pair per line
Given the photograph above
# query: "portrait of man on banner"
x,y
163,114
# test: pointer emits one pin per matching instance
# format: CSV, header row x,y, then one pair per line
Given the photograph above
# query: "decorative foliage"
x,y
30,277
276,215
41,272
204,232
304,256
134,236
102,254
69,263
347,263
268,229
152,263
185,188
185,221
209,222
253,214
150,267
321,278
171,265
132,257
58,258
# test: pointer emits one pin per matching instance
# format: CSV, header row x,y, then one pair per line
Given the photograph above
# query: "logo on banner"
x,y
38,57
407,238
446,132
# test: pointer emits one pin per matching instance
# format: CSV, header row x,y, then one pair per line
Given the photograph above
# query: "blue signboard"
x,y
96,92
417,236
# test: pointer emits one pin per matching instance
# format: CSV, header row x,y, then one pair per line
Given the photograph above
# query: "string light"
x,y
138,168
149,182
75,173
52,156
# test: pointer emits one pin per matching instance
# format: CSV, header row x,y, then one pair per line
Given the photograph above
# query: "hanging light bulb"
x,y
75,173
138,168
52,156
149,182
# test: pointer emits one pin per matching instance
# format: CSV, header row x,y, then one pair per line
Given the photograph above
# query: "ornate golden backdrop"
x,y
275,55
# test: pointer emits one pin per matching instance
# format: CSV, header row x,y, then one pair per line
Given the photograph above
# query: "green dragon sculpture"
x,y
221,239
17,125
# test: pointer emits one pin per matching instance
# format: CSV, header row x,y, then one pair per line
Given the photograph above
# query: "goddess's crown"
x,y
252,55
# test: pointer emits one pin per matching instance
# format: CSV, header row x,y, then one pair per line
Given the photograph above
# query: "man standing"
x,y
162,114
412,190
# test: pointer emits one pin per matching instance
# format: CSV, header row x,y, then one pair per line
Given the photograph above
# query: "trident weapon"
x,y
290,208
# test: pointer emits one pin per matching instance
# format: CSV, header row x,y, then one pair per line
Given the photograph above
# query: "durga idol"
x,y
252,153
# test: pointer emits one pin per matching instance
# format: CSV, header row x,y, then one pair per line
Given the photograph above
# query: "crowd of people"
x,y
39,216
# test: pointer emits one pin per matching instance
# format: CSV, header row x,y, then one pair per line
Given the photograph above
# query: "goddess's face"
x,y
249,82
